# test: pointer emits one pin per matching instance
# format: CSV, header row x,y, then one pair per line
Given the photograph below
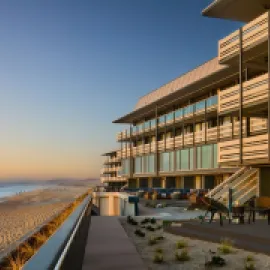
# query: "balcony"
x,y
211,134
188,139
105,179
254,34
255,91
255,149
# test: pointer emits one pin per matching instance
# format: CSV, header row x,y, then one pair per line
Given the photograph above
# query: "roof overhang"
x,y
112,152
238,10
182,95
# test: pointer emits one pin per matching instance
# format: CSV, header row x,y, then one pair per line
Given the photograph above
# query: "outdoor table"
x,y
254,210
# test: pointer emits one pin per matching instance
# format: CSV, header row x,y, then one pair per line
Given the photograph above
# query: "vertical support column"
x,y
205,122
174,133
130,152
165,134
183,134
232,122
268,124
156,134
240,96
194,126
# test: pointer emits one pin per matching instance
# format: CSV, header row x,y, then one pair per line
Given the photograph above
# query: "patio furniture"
x,y
238,212
260,205
214,207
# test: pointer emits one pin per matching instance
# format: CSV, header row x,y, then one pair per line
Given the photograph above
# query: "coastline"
x,y
23,213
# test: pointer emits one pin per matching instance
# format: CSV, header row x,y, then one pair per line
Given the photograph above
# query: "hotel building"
x,y
110,173
209,128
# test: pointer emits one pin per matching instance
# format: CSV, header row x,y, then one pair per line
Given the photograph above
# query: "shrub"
x,y
158,257
140,233
250,266
216,261
153,221
166,223
131,221
181,244
145,221
226,246
183,256
150,228
160,237
159,250
152,241
249,258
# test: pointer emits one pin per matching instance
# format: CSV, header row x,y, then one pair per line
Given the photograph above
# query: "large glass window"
x,y
207,156
138,164
215,156
185,159
199,157
151,163
178,160
191,156
134,129
140,128
165,162
125,166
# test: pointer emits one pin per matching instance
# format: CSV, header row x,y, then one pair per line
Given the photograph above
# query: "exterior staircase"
x,y
243,183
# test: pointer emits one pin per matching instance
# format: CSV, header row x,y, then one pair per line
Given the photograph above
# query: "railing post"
x,y
268,124
240,96
156,133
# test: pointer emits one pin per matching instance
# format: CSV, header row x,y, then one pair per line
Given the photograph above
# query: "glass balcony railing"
x,y
169,117
200,106
179,113
212,101
188,110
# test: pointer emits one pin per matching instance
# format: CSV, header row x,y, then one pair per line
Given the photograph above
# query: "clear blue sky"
x,y
69,68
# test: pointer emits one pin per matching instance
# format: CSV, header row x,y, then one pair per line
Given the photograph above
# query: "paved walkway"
x,y
108,247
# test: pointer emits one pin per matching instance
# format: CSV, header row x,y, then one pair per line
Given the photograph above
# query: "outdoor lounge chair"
x,y
214,207
259,205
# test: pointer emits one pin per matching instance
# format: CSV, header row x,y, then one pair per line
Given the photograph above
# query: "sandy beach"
x,y
22,213
198,251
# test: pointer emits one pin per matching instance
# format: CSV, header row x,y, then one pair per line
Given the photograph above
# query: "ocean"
x,y
7,190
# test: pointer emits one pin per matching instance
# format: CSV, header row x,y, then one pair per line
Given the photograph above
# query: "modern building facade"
x,y
111,171
209,128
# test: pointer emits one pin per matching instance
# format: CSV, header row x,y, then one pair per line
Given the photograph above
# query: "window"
x,y
185,159
179,113
138,165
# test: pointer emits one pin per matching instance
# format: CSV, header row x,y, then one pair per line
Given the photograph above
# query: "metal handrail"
x,y
54,251
71,238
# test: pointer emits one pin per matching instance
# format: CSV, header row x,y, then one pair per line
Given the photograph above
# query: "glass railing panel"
x,y
147,125
169,117
152,123
212,101
161,119
188,110
200,106
179,113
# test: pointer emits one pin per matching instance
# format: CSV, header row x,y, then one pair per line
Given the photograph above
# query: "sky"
x,y
69,68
